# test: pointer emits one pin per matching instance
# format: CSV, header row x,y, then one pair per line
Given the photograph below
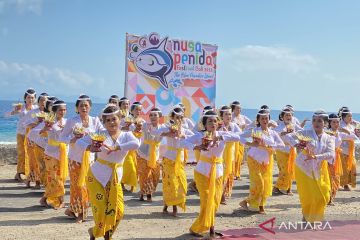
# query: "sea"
x,y
8,123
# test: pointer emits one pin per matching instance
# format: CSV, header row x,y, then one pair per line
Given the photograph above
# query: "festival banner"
x,y
162,72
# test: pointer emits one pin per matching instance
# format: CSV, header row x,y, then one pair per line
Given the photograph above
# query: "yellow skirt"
x,y
148,177
130,177
334,180
54,188
348,177
260,183
106,212
79,198
174,187
314,193
34,172
21,153
39,156
239,156
284,180
202,184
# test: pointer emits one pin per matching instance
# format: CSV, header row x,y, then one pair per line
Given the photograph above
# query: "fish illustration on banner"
x,y
153,61
163,72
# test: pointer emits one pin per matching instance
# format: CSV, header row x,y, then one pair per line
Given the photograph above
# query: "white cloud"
x,y
57,81
22,6
267,58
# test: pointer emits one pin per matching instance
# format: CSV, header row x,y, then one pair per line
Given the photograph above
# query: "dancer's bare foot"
x,y
214,234
43,202
244,205
90,231
165,211
276,191
80,219
27,184
107,235
148,198
174,213
289,192
18,177
141,198
347,188
70,213
262,210
37,185
223,200
132,189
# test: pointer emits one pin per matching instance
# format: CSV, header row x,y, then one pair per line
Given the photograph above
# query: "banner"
x,y
162,72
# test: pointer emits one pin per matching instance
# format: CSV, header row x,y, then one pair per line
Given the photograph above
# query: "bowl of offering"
x,y
97,140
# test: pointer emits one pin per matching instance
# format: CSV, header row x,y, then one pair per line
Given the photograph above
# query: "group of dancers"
x,y
119,151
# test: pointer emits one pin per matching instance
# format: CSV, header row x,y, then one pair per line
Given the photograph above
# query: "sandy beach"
x,y
21,217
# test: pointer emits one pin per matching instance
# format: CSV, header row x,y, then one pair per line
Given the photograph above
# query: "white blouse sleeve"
x,y
67,133
131,143
83,142
329,152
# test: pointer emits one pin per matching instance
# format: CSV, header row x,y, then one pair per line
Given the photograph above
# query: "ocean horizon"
x,y
8,123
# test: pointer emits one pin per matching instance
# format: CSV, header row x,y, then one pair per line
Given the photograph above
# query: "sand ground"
x,y
21,217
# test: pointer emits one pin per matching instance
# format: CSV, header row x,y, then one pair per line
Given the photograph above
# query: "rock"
x,y
8,154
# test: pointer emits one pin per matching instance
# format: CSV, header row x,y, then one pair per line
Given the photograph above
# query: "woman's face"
x,y
178,118
237,110
211,124
136,111
334,124
42,103
61,111
125,105
84,108
287,118
154,118
30,99
226,117
114,101
318,123
112,123
264,121
348,118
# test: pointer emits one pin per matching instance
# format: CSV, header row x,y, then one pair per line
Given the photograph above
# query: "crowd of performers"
x,y
120,151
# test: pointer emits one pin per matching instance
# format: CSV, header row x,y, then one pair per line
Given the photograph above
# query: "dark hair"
x,y
283,112
332,115
223,108
28,92
49,101
110,109
262,111
205,118
116,97
266,107
134,105
157,109
234,104
55,108
207,108
343,112
177,110
82,98
41,96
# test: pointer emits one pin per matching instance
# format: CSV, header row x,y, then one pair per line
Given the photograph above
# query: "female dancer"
x,y
103,178
148,156
260,161
79,160
285,156
209,171
55,156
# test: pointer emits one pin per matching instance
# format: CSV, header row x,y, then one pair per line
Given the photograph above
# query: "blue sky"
x,y
304,53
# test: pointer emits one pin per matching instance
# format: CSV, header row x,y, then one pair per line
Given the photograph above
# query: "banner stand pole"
x,y
126,66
